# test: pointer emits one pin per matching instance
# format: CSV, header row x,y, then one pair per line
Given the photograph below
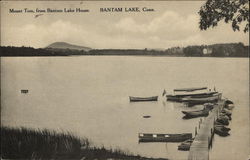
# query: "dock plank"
x,y
199,149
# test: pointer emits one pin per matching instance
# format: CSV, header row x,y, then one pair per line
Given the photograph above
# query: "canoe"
x,y
178,97
193,101
149,137
138,99
189,89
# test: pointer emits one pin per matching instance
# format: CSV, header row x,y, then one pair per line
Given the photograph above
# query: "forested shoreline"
x,y
215,50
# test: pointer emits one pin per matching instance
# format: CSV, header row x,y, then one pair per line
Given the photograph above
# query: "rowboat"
x,y
149,137
229,106
223,128
220,131
138,99
189,89
193,101
179,97
226,112
185,146
198,96
228,102
222,121
224,115
193,114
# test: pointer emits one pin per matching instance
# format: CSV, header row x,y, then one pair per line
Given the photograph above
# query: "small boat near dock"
x,y
185,146
189,89
179,97
194,114
221,131
193,101
140,99
149,137
199,113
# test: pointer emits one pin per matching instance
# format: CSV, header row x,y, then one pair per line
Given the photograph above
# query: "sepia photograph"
x,y
125,80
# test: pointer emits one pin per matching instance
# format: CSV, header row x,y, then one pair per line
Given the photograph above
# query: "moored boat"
x,y
228,102
193,101
222,127
189,89
229,106
149,137
138,99
178,97
223,121
226,112
226,116
194,114
220,131
185,146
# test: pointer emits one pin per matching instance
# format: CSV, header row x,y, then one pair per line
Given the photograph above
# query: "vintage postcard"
x,y
125,80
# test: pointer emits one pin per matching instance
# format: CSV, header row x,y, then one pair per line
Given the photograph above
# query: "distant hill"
x,y
64,45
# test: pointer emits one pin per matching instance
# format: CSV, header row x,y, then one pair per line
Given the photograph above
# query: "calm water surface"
x,y
88,96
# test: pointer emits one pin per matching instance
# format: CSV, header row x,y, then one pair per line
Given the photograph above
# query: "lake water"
x,y
88,96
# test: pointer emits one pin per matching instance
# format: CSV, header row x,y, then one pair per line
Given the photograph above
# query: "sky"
x,y
171,24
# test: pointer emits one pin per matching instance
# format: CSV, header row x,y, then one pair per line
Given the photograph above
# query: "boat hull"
x,y
145,137
221,132
185,146
179,97
193,101
140,99
194,114
189,89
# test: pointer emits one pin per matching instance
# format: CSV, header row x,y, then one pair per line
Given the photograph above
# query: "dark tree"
x,y
231,11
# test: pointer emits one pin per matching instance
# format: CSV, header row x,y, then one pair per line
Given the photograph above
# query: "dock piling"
x,y
195,131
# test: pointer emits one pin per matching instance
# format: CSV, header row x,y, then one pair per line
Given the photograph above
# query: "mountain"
x,y
64,45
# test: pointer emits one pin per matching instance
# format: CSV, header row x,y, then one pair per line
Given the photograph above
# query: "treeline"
x,y
216,50
144,52
29,51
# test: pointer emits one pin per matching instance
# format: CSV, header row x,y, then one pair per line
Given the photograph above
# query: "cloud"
x,y
41,35
169,26
166,30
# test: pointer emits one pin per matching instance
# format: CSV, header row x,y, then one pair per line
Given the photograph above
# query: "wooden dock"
x,y
199,149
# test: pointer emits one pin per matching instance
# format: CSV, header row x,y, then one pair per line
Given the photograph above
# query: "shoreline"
x,y
26,143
